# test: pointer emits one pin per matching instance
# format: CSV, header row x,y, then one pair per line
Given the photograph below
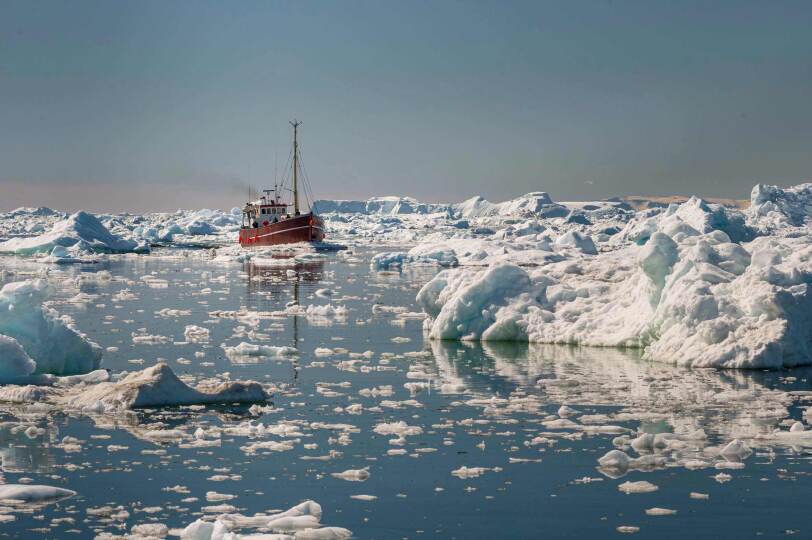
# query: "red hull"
x,y
304,228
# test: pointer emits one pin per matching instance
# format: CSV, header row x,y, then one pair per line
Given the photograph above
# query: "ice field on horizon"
x,y
467,370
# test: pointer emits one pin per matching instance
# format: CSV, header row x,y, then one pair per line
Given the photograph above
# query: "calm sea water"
x,y
482,408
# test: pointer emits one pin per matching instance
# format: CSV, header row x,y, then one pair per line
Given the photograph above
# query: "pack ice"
x,y
693,284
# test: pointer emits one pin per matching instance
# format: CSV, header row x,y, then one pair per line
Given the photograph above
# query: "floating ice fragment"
x,y
736,450
196,334
471,472
353,475
250,349
656,511
364,497
564,411
34,494
641,486
615,459
150,530
397,428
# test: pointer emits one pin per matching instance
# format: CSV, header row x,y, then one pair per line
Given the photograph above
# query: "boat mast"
x,y
295,125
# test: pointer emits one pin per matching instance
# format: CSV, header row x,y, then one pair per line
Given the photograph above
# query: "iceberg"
x,y
31,211
693,216
773,208
81,231
155,386
159,386
689,299
437,255
34,339
14,361
391,205
536,203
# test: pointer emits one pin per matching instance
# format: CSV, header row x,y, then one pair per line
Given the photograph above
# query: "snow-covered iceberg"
x,y
693,215
685,298
81,232
531,204
773,208
378,205
34,339
538,204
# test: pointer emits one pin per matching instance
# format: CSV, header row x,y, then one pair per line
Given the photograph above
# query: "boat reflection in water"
x,y
270,280
278,282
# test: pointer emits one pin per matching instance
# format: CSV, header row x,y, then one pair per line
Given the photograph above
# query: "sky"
x,y
157,105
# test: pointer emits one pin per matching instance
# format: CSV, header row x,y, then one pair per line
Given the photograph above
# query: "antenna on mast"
x,y
295,123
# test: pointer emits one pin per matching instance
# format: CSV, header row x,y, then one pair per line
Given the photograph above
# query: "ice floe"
x,y
33,494
301,522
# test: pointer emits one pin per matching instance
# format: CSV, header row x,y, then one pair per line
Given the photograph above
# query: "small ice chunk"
x,y
641,486
736,450
660,511
353,475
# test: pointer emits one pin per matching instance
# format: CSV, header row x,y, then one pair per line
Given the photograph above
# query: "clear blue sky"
x,y
160,104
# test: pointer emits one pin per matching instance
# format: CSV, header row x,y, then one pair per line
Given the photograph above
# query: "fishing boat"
x,y
267,221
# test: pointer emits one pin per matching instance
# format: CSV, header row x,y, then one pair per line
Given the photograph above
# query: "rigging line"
x,y
308,193
308,189
303,173
305,179
285,176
